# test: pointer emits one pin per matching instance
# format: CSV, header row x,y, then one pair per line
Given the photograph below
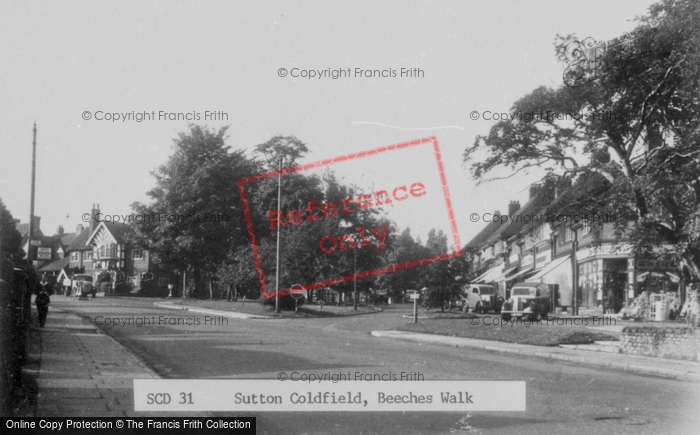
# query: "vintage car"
x,y
527,299
82,286
481,298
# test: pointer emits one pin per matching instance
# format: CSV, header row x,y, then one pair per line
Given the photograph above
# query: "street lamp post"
x,y
355,280
30,247
279,200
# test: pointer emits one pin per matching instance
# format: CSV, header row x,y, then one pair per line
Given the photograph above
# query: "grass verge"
x,y
488,328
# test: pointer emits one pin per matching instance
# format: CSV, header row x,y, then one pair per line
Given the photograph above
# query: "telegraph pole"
x,y
279,200
30,250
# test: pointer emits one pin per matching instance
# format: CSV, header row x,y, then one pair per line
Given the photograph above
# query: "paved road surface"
x,y
561,398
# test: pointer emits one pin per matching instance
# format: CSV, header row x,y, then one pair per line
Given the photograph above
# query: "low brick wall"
x,y
662,342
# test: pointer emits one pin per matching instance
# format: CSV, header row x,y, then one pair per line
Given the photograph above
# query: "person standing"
x,y
42,302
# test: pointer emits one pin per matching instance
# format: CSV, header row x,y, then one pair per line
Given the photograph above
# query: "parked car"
x,y
528,299
481,298
82,285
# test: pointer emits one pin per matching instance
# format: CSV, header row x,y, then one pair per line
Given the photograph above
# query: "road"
x,y
561,398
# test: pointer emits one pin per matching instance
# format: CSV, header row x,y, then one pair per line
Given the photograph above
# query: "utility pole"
x,y
574,265
279,200
30,249
355,279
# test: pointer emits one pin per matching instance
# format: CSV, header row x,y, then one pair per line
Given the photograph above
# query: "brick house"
x,y
104,250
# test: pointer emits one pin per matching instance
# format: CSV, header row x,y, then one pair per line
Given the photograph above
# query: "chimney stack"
x,y
93,219
534,190
79,229
513,207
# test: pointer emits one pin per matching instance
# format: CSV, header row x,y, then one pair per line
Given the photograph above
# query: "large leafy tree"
x,y
633,139
197,205
10,238
404,249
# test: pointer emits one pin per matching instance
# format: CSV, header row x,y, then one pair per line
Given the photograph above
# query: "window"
x,y
586,228
87,256
106,251
74,256
568,234
137,253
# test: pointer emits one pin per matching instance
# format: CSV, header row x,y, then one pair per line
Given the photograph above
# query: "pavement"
x,y
77,370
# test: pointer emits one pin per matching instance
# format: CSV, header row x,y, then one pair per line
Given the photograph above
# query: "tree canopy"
x,y
633,133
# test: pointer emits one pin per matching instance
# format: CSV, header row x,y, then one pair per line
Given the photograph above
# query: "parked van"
x,y
82,285
481,298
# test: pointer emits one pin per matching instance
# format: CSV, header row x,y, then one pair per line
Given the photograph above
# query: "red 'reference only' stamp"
x,y
330,244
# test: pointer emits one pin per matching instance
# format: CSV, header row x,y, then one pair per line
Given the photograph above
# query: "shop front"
x,y
604,272
607,271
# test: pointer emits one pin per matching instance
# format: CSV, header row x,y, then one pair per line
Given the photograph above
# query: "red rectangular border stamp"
x,y
362,154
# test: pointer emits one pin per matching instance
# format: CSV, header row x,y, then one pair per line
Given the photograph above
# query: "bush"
x,y
123,288
287,302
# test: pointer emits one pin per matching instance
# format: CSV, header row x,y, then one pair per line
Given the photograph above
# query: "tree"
x,y
404,249
633,136
10,238
440,277
196,209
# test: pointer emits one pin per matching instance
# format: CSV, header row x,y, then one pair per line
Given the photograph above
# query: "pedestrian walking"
x,y
42,302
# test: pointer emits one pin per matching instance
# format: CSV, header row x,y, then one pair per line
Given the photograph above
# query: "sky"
x,y
68,66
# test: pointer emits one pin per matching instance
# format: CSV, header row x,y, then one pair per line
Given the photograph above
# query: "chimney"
x,y
534,190
93,221
513,207
79,229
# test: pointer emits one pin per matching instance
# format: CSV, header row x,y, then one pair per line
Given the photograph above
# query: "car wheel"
x,y
479,308
505,316
465,307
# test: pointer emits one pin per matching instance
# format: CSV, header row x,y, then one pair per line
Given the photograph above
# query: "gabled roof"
x,y
79,241
484,234
117,230
56,265
67,238
23,229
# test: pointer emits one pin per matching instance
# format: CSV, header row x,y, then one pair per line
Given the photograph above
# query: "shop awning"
x,y
552,268
489,276
521,273
502,276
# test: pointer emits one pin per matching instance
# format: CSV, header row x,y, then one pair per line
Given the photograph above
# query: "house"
x,y
500,255
47,251
105,251
538,244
